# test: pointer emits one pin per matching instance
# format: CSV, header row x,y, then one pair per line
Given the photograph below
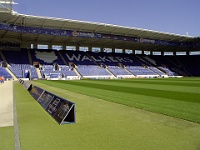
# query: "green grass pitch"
x,y
174,97
115,114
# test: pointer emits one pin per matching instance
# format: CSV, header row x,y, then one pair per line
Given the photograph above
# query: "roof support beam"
x,y
20,36
107,43
82,41
4,34
52,40
81,27
64,24
14,22
128,32
36,39
43,24
99,28
113,31
23,21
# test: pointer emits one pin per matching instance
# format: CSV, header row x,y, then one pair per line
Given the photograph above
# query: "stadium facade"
x,y
77,49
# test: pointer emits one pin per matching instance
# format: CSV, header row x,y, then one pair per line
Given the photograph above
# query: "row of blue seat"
x,y
94,64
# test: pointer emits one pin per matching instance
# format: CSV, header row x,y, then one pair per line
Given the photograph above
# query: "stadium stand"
x,y
85,65
111,63
4,73
55,64
51,64
189,64
92,70
163,64
31,32
119,71
77,57
18,63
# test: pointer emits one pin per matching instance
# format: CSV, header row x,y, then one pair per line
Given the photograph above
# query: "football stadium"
x,y
70,84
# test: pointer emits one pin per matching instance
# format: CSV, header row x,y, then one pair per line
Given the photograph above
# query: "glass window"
x,y
147,52
156,53
57,47
138,52
71,48
84,49
107,50
32,46
117,50
180,53
128,51
168,53
96,49
195,53
41,46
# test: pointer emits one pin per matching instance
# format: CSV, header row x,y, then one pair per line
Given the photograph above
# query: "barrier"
x,y
60,109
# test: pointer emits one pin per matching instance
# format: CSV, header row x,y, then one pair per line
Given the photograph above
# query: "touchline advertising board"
x,y
62,110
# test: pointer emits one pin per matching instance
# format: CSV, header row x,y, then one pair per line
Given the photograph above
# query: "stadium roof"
x,y
84,26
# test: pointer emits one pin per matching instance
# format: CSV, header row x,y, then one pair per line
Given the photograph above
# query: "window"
x,y
117,50
84,49
195,53
107,50
156,53
96,49
57,47
138,52
71,48
32,46
168,53
147,52
41,46
128,51
180,53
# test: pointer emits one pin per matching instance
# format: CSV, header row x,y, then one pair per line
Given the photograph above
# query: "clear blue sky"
x,y
173,16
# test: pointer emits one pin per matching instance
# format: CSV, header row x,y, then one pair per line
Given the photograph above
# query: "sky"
x,y
171,16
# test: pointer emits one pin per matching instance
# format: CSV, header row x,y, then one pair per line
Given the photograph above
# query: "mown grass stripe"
x,y
100,124
156,82
182,96
178,88
180,107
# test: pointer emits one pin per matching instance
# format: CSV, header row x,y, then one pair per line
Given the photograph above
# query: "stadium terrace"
x,y
34,47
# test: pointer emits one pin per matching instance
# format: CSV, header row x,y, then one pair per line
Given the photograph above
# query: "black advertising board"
x,y
62,110
45,99
36,92
56,106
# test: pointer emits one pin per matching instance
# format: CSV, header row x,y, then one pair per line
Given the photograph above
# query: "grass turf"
x,y
7,138
174,97
100,124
